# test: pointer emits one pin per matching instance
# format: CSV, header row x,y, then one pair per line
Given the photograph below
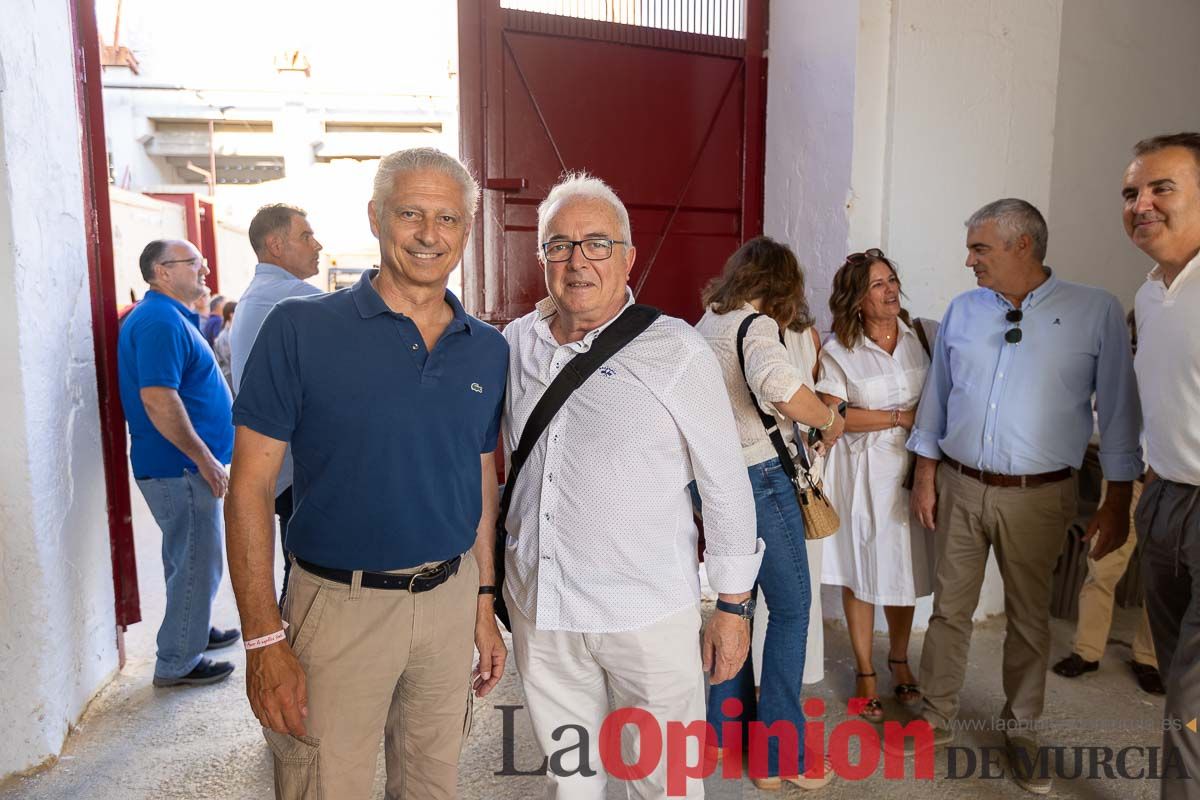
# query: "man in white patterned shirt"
x,y
603,583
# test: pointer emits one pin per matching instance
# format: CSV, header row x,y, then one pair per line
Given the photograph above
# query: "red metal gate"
x,y
86,48
666,101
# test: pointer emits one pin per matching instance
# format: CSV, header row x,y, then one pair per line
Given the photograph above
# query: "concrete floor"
x,y
140,743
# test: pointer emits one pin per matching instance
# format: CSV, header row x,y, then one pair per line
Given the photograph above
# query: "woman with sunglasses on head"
x,y
876,361
762,282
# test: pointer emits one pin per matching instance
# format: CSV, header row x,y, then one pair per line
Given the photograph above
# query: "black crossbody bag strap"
x,y
769,422
623,330
922,337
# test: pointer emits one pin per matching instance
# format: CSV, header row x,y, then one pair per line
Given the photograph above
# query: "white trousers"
x,y
568,678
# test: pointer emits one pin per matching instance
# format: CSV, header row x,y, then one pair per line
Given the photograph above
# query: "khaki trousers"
x,y
1096,601
1025,528
381,664
568,677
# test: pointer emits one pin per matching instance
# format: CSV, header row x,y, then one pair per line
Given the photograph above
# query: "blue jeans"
x,y
192,529
784,580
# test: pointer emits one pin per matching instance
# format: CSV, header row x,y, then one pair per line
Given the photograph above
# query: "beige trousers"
x,y
1026,529
380,664
1096,601
568,677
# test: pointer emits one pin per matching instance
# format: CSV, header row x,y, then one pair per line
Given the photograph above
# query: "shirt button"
x,y
545,558
547,514
1001,375
993,405
989,438
416,347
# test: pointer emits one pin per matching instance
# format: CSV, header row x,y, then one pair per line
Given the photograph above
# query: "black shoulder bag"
x,y
623,330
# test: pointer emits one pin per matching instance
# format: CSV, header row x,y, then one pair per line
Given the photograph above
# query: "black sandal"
x,y
869,708
913,690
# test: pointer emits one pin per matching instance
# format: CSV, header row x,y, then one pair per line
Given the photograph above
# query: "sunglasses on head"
x,y
874,254
1013,335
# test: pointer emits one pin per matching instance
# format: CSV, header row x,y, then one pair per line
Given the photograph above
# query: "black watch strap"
x,y
744,609
488,590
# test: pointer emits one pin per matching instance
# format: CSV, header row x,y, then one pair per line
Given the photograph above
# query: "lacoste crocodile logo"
x,y
607,372
476,388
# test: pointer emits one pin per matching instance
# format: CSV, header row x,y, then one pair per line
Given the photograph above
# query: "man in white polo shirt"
x,y
1162,216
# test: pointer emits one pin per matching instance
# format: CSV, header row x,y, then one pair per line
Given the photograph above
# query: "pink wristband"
x,y
270,638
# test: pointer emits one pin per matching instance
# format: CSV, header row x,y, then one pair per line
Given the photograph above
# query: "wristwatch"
x,y
744,609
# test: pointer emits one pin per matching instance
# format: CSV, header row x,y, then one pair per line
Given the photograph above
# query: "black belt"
x,y
414,582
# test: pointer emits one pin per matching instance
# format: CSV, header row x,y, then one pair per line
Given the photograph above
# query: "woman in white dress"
x,y
881,556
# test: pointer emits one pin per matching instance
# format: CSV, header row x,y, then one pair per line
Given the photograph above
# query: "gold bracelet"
x,y
832,417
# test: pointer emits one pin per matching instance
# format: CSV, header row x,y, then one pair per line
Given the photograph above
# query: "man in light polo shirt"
x,y
177,405
1161,194
288,252
390,396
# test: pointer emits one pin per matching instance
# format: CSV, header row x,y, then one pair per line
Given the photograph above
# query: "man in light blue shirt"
x,y
288,253
1004,418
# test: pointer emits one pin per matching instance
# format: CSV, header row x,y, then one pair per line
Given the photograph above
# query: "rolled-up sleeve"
x,y
1118,409
930,427
700,406
833,380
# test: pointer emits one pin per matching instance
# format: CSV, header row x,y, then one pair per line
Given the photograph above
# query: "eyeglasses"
x,y
593,249
191,261
874,254
1013,335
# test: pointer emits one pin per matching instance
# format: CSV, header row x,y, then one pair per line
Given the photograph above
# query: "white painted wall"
x,y
57,627
888,123
973,88
810,119
136,221
1127,71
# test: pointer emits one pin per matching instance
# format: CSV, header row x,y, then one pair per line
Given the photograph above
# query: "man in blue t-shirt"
x,y
178,408
389,394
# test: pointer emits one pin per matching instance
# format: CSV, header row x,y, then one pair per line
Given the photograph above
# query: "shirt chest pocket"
x,y
878,391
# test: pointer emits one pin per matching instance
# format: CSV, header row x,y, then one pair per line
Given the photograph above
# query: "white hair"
x,y
581,186
416,159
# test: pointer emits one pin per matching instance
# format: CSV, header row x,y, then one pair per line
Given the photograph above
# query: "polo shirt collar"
x,y
273,270
153,295
1190,271
370,304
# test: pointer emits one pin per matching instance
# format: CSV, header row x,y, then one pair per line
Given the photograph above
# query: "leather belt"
x,y
415,582
1010,481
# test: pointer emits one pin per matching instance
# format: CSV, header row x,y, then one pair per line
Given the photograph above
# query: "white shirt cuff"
x,y
734,574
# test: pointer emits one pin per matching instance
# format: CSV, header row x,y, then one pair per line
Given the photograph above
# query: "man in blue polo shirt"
x,y
178,408
389,395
